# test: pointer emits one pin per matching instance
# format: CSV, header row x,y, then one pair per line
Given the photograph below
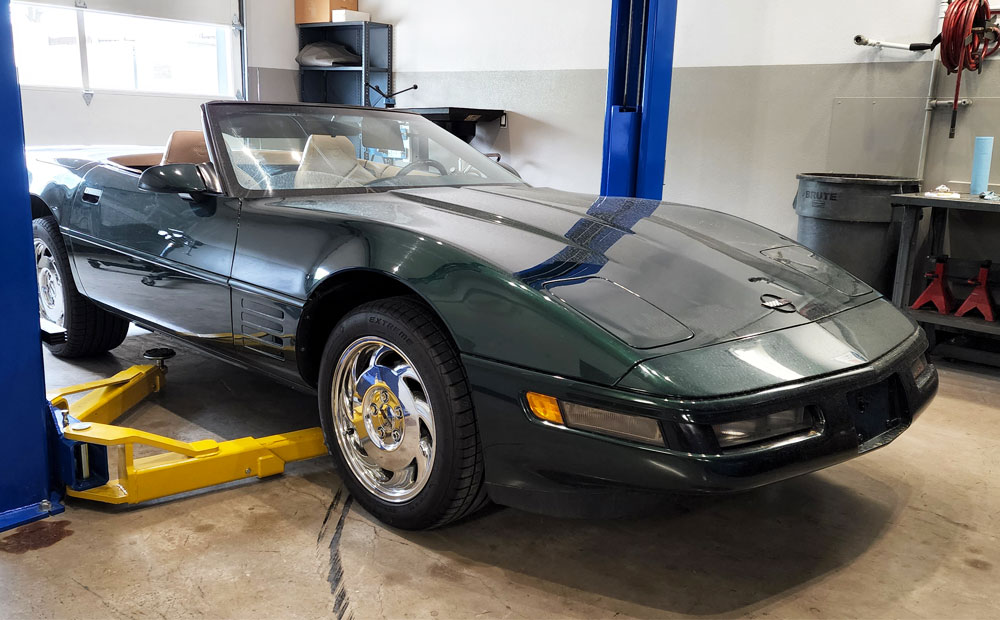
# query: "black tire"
x,y
455,486
89,330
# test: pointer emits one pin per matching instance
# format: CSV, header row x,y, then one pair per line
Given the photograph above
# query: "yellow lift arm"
x,y
182,466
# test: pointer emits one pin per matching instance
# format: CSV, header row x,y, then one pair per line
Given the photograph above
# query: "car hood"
x,y
661,277
652,273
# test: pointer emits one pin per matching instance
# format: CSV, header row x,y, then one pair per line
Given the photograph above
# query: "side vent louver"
x,y
262,327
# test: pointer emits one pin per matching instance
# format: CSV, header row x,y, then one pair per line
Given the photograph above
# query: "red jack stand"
x,y
980,298
937,292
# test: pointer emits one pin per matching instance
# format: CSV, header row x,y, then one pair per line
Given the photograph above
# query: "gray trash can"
x,y
848,219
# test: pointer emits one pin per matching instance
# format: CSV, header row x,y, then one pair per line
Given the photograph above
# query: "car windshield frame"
x,y
215,111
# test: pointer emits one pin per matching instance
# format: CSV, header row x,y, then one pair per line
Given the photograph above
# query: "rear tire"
x,y
89,330
397,416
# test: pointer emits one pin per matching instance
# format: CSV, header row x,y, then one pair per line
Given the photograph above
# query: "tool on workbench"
x,y
980,299
937,292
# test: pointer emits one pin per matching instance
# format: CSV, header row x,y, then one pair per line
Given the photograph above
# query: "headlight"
x,y
582,417
734,434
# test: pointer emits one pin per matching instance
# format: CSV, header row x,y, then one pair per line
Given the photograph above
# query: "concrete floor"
x,y
909,531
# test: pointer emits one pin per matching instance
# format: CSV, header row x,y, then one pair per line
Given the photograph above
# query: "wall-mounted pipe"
x,y
909,47
925,137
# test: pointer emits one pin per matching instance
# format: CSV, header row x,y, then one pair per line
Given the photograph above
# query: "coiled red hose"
x,y
968,37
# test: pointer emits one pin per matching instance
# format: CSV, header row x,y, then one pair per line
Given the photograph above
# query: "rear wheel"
x,y
89,329
397,415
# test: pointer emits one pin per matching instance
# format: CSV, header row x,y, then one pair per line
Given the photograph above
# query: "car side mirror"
x,y
190,179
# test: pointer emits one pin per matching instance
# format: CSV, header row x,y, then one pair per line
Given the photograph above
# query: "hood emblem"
x,y
774,302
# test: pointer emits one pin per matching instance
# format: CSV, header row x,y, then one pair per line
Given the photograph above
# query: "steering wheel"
x,y
432,163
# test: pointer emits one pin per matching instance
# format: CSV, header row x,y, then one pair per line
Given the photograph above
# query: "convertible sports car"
x,y
469,336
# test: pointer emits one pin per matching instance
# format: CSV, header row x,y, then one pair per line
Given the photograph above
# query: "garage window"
x,y
46,45
121,52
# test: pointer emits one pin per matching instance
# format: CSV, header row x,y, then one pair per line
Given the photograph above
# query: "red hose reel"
x,y
969,36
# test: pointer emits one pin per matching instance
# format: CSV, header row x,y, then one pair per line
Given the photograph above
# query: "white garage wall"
x,y
798,32
273,41
543,62
780,88
516,35
272,37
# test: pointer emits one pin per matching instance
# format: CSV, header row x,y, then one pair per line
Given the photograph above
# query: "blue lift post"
x,y
639,78
27,491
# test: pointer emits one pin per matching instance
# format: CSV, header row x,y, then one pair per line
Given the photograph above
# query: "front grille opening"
x,y
878,408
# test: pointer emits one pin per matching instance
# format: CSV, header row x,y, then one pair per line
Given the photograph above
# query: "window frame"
x,y
237,44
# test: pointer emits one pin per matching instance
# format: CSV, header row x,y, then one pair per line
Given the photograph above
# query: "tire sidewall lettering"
x,y
391,328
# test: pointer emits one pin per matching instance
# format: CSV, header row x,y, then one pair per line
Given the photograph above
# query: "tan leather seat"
x,y
185,147
330,161
384,171
380,170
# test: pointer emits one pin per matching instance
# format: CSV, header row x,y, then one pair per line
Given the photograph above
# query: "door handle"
x,y
91,195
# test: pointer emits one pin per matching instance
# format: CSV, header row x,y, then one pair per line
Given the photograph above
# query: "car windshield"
x,y
275,148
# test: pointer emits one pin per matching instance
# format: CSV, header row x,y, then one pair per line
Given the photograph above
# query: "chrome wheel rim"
x,y
51,305
382,419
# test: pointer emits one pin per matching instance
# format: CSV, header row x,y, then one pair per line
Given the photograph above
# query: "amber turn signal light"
x,y
545,407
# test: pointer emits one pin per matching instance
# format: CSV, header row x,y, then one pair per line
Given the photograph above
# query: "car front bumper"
x,y
552,469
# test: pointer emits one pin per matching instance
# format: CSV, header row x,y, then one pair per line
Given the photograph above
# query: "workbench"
x,y
459,121
912,206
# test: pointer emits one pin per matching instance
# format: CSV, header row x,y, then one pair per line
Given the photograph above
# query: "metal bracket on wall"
x,y
88,96
947,103
80,4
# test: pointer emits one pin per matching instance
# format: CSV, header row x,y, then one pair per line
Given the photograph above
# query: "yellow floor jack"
x,y
88,436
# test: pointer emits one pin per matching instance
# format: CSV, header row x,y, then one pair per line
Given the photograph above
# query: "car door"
x,y
161,259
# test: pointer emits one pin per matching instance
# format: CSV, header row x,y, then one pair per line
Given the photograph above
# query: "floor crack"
x,y
104,602
335,576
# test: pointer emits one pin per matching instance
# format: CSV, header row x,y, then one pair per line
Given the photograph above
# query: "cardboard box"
x,y
350,16
313,11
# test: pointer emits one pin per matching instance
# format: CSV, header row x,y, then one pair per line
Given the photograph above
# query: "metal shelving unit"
x,y
346,84
913,206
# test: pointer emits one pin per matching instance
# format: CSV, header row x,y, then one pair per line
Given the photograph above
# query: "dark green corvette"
x,y
469,336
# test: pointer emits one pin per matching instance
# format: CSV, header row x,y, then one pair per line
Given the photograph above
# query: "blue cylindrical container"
x,y
982,159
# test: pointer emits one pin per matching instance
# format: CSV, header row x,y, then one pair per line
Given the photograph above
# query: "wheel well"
x,y
39,208
330,302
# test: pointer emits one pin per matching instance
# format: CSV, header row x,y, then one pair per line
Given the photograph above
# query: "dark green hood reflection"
x,y
706,270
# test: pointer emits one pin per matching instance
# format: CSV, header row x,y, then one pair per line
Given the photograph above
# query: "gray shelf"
x,y
341,24
343,68
966,323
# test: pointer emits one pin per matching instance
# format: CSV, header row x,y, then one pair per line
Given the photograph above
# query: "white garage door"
x,y
120,71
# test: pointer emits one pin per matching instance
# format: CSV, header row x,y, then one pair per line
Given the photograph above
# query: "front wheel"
x,y
397,416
